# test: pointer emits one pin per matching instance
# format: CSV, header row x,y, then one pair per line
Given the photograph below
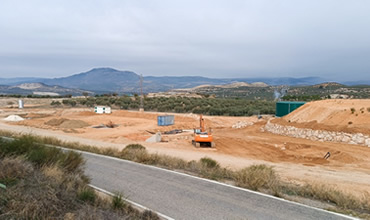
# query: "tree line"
x,y
208,106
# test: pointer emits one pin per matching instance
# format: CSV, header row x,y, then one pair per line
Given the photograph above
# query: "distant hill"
x,y
39,89
108,80
99,79
328,84
234,85
19,80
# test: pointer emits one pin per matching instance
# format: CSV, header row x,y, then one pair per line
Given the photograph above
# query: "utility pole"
x,y
141,94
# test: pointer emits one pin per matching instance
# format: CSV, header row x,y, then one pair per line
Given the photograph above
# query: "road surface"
x,y
181,196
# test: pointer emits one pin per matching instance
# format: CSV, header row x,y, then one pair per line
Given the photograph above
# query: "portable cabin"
x,y
102,110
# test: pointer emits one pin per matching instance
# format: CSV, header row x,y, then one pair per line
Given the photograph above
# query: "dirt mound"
x,y
350,116
14,118
56,121
74,124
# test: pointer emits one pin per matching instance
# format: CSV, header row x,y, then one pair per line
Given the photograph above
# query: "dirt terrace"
x,y
297,160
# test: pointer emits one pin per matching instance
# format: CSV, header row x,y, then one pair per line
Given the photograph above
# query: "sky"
x,y
211,38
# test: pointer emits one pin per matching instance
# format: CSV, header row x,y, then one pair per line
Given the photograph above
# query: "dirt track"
x,y
297,160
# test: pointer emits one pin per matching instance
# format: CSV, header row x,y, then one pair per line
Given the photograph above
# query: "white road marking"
x,y
215,182
132,202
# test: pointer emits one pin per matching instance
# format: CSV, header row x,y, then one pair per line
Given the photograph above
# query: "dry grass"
x,y
51,188
257,177
12,169
331,195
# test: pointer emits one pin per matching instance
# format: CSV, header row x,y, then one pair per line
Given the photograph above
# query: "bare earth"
x,y
296,160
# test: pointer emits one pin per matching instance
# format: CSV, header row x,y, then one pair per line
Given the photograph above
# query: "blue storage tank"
x,y
166,120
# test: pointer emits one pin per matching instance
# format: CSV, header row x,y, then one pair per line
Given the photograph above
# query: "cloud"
x,y
209,38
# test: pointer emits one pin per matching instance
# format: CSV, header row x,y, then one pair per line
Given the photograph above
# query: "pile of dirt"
x,y
13,118
349,116
56,121
74,124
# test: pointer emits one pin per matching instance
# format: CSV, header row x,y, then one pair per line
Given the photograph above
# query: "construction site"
x,y
324,141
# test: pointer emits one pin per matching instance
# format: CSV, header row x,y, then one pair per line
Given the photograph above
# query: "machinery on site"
x,y
201,136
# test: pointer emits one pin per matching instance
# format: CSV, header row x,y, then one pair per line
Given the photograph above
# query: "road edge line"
x,y
131,202
219,183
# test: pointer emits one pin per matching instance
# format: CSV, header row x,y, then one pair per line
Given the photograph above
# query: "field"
x,y
240,141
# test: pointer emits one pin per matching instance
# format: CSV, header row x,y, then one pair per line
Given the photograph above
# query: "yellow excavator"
x,y
201,136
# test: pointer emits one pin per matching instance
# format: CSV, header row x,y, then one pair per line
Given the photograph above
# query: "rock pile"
x,y
242,124
318,135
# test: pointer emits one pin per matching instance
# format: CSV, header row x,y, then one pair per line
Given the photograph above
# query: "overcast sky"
x,y
235,38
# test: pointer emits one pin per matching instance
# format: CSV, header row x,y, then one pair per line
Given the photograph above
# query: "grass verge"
x,y
261,178
47,183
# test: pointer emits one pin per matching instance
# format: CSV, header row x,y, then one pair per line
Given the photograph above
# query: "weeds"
x,y
118,202
53,187
329,194
13,169
256,177
87,195
135,147
209,163
40,155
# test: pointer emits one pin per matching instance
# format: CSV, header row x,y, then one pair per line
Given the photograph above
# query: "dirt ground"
x,y
296,160
345,115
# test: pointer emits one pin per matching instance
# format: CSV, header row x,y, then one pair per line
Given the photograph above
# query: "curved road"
x,y
181,196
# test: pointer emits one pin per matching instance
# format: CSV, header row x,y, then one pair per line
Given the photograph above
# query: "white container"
x,y
102,110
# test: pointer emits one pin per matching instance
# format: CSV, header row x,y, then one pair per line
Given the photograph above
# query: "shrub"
x,y
13,169
353,110
118,202
72,161
87,194
55,103
257,176
134,147
209,163
41,155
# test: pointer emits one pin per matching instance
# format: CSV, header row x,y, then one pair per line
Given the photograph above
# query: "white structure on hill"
x,y
102,110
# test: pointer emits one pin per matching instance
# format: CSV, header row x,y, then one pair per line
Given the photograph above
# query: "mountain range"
x,y
108,80
40,89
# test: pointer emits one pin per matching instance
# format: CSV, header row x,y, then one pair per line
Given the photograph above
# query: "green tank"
x,y
284,108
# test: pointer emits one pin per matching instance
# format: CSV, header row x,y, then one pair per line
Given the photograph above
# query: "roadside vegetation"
x,y
39,182
207,106
260,177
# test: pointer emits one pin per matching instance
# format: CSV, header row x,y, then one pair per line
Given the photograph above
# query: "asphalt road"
x,y
180,196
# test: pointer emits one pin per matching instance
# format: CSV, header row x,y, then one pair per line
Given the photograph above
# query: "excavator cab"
x,y
201,136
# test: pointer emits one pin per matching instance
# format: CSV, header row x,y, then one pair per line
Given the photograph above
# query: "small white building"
x,y
102,110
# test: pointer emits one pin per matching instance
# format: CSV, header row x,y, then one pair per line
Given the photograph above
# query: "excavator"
x,y
201,136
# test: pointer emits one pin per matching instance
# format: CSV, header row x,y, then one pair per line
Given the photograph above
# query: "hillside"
x,y
100,79
39,89
105,80
338,115
109,80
